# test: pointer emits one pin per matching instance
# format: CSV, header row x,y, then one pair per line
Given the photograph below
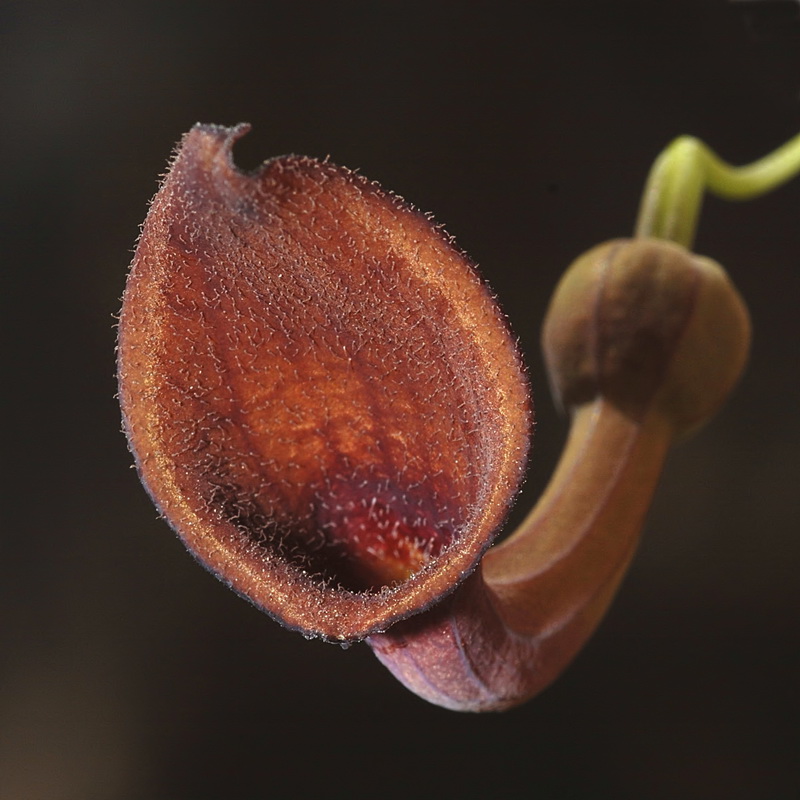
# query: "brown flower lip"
x,y
321,394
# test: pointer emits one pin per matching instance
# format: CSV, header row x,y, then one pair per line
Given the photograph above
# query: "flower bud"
x,y
650,327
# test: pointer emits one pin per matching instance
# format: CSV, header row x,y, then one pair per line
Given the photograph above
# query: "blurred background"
x,y
126,671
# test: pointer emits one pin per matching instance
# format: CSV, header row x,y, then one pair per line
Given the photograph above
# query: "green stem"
x,y
687,168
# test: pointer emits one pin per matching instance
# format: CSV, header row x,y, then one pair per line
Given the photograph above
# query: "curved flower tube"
x,y
325,402
629,352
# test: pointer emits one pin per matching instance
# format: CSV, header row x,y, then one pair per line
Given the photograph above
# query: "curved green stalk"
x,y
687,168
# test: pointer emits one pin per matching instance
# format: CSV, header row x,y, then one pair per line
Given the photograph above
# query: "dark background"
x,y
125,670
